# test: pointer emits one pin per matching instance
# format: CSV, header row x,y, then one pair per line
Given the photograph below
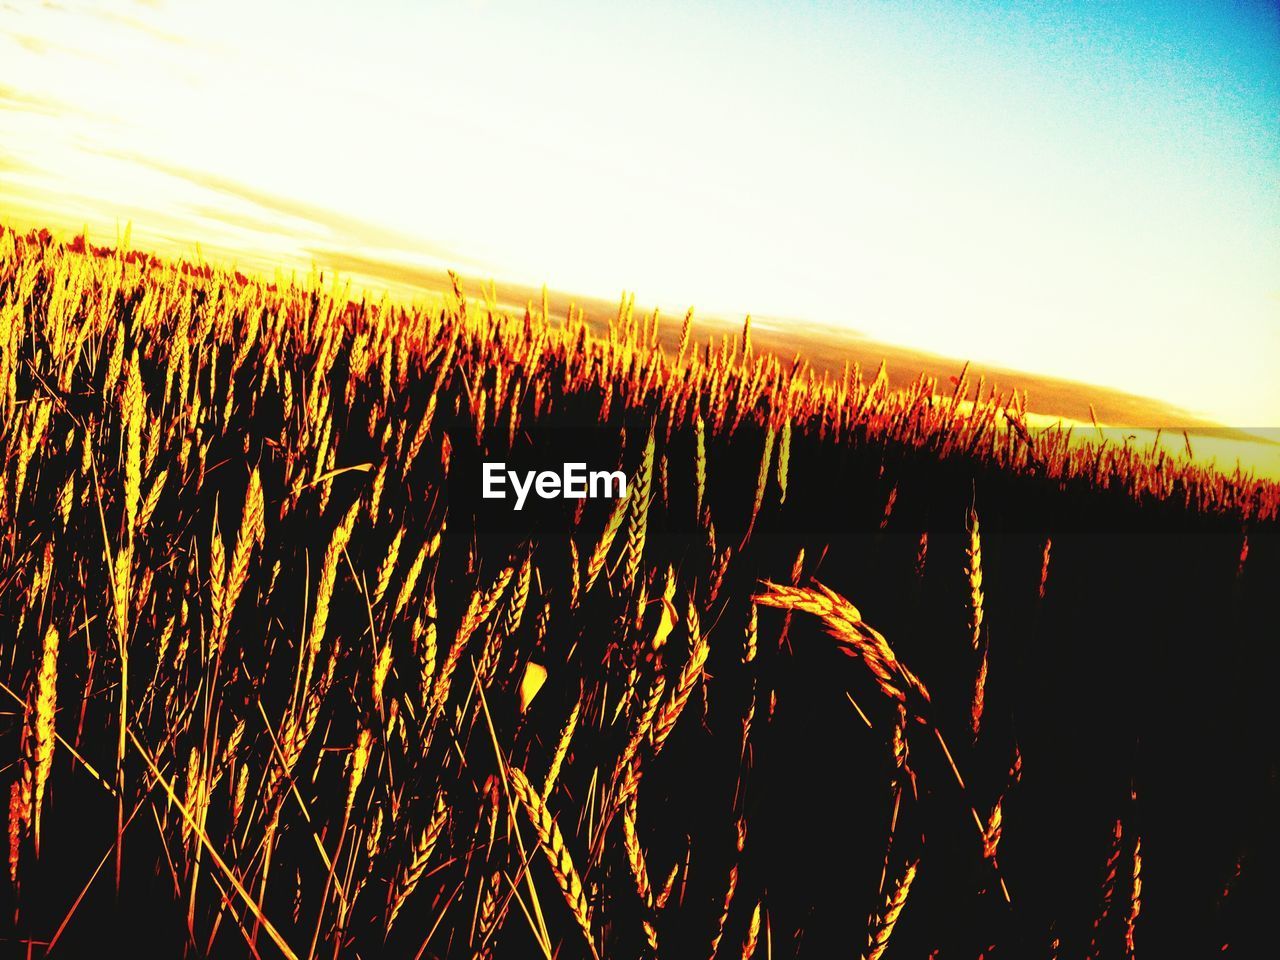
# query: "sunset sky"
x,y
1087,190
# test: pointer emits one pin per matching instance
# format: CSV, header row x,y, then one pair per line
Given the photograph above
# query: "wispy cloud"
x,y
24,101
334,226
141,25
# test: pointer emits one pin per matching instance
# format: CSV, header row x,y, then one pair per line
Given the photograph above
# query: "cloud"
x,y
32,44
344,229
134,23
20,101
406,275
11,164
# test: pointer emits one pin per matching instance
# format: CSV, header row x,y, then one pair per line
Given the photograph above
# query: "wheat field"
x,y
849,671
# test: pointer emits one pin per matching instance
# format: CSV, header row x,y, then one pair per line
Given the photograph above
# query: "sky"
x,y
1082,190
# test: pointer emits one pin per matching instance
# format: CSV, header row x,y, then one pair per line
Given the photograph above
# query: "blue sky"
x,y
1086,190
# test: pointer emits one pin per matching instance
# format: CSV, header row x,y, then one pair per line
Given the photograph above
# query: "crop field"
x,y
849,671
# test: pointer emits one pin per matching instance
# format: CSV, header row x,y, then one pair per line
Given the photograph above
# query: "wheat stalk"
x,y
730,889
700,463
252,531
1110,874
557,853
784,459
883,924
845,625
595,562
479,609
639,871
1044,567
46,708
324,591
388,566
133,413
753,934
562,749
978,701
664,720
973,572
638,517
761,479
1135,900
406,880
